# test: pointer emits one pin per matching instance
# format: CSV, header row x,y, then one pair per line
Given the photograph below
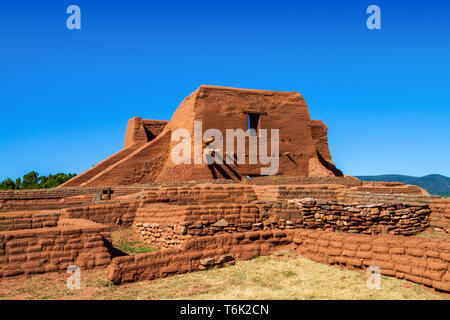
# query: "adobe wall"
x,y
346,181
202,193
146,156
197,254
115,215
440,217
170,226
141,131
290,192
28,220
421,260
74,241
370,198
167,225
401,219
59,198
424,261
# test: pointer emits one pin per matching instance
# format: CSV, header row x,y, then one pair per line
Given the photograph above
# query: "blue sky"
x,y
66,95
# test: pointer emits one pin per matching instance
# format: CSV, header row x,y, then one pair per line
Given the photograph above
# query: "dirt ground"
x,y
279,276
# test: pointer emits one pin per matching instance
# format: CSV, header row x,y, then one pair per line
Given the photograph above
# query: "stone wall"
x,y
369,198
28,220
74,241
196,254
401,219
286,180
116,214
201,194
169,226
421,260
424,261
440,218
59,198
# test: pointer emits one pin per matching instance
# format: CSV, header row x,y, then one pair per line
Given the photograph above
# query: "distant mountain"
x,y
433,183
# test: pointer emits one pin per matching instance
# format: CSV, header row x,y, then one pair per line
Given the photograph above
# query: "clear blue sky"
x,y
66,95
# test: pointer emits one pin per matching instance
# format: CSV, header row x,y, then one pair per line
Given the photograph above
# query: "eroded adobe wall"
x,y
370,198
170,226
421,260
44,199
197,254
140,131
440,217
58,198
401,189
74,241
346,181
28,220
116,215
424,261
142,166
201,194
372,219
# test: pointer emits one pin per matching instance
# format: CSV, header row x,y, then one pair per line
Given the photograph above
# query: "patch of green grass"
x,y
134,247
125,240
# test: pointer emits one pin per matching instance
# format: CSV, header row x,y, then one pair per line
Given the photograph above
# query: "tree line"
x,y
33,180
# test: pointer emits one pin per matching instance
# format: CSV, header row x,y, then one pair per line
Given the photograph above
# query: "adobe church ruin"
x,y
201,216
146,154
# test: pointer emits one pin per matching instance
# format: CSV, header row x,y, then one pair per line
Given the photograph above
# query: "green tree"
x,y
18,184
7,184
30,180
55,180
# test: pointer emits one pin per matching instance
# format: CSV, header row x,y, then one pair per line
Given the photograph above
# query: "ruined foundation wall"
x,y
299,180
197,254
371,198
372,219
28,220
440,217
31,251
424,261
115,215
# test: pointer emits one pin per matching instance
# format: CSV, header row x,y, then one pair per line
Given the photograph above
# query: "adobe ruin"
x,y
199,221
146,153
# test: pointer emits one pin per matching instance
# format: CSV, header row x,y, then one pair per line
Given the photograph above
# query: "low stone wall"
x,y
440,217
28,220
369,198
424,261
59,198
169,226
285,180
391,189
201,194
197,254
277,193
75,241
116,214
400,219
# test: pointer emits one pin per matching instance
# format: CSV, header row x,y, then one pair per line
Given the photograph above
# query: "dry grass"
x,y
273,277
434,233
